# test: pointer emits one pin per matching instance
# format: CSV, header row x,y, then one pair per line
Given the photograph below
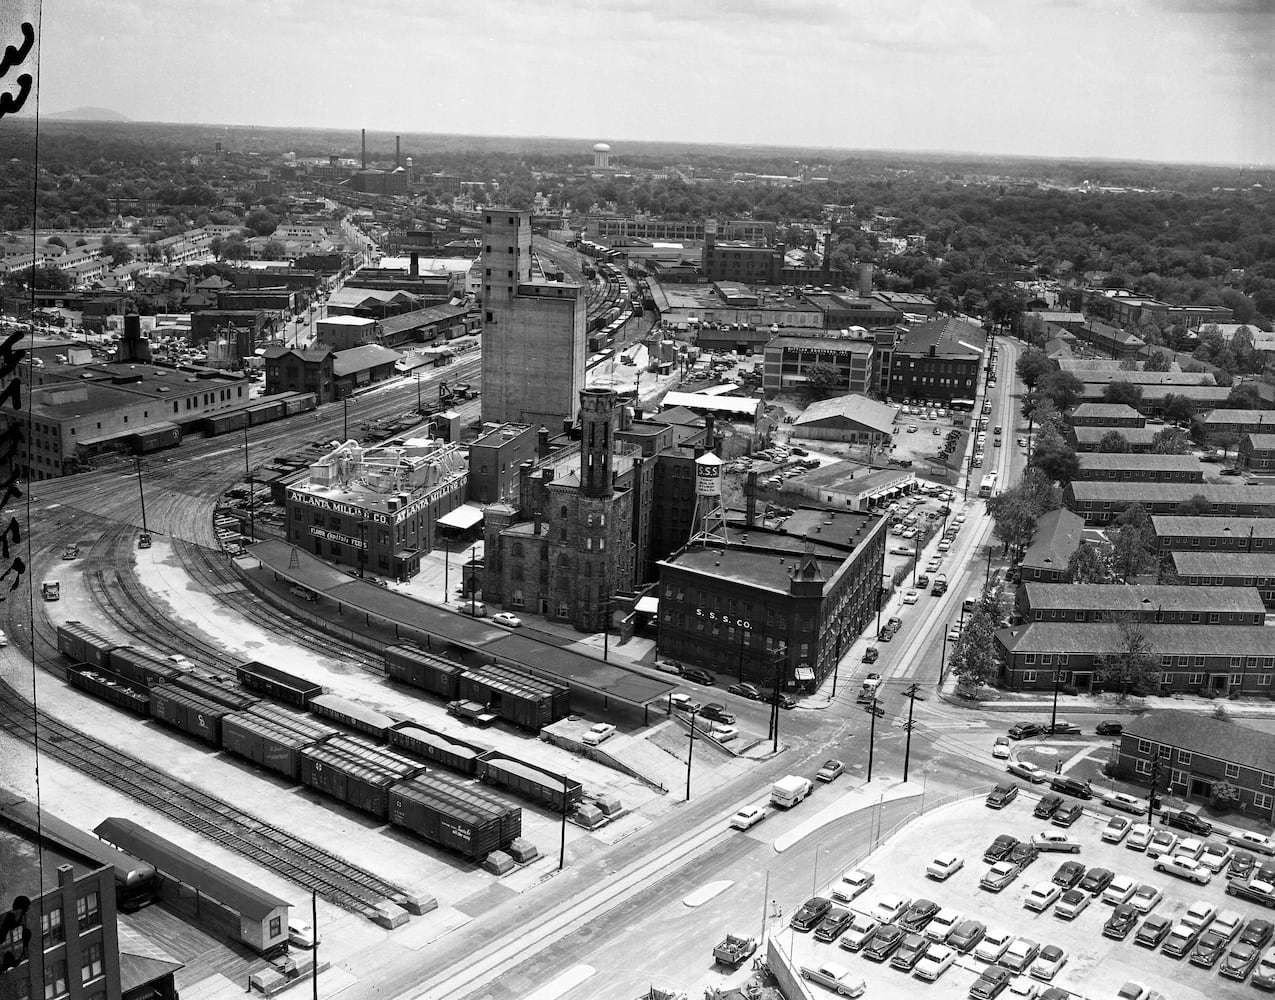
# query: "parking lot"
x,y
1096,966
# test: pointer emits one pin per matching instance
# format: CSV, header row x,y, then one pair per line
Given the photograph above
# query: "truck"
x,y
789,790
869,690
1252,889
735,950
940,585
472,711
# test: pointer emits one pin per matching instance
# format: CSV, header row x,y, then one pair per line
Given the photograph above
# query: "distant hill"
x,y
88,114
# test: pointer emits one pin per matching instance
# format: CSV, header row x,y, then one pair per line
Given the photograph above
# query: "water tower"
x,y
709,522
601,156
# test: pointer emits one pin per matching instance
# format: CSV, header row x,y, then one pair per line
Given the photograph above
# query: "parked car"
x,y
937,959
890,908
1021,952
1145,897
1189,821
910,951
715,711
1161,843
1096,880
871,654
1216,857
1120,890
1071,786
920,913
1000,748
944,922
748,817
1026,769
1001,796
1110,728
1047,806
1153,930
1121,922
746,690
884,942
993,945
966,935
831,770
1125,802
998,876
1025,730
1071,904
698,676
1048,962
1024,855
858,931
944,866
1184,868
853,883
1116,830
1069,874
1067,814
831,926
1049,840
1000,847
1140,835
599,732
810,913
1199,914
1239,961
991,983
835,977
1041,897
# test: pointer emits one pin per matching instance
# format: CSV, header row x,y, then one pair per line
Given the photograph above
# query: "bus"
x,y
989,484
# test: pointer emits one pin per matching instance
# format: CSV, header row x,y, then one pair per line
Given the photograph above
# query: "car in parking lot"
x,y
1239,961
831,770
1041,897
1026,769
1216,856
810,913
1228,923
1184,868
683,702
920,913
938,958
883,943
1145,897
1096,880
1250,841
1067,813
966,935
1257,932
1000,847
910,951
1264,974
1242,865
1140,835
1161,843
998,876
1199,914
858,931
890,908
598,733
1189,847
1183,820
1048,962
1121,888
835,977
993,945
1021,952
746,690
1125,802
1049,840
1047,806
831,926
1180,940
991,983
1122,920
1116,830
1069,874
1024,855
748,817
1153,930
852,884
944,922
715,711
944,866
1001,795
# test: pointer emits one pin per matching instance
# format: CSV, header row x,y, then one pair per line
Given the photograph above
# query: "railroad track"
x,y
337,881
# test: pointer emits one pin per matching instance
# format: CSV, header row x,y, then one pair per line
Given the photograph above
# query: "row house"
x,y
1058,534
1189,659
1114,466
1196,752
1257,452
1222,421
1106,415
1100,502
1158,605
1177,533
1228,569
1087,439
1110,340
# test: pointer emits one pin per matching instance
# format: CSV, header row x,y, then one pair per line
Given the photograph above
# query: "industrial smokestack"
x,y
397,151
865,280
364,131
415,268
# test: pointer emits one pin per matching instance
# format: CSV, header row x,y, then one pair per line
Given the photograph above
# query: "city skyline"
x,y
1172,80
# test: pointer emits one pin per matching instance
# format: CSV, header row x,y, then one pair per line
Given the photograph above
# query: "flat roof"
x,y
551,660
765,569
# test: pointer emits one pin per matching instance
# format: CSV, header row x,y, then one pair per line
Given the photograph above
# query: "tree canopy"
x,y
1123,392
1033,365
1113,442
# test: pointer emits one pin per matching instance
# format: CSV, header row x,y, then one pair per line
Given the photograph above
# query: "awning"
x,y
464,516
647,605
805,674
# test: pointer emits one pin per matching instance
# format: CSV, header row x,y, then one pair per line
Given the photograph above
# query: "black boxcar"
x,y
273,746
191,714
510,812
414,666
141,666
302,725
349,779
221,694
101,683
84,645
423,742
278,684
352,714
437,814
528,702
530,782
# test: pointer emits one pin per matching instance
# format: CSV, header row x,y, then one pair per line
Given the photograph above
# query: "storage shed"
x,y
262,917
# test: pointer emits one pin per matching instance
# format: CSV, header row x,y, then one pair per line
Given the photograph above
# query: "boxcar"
x,y
84,645
111,687
270,744
509,810
348,778
426,743
220,694
141,666
530,782
278,684
352,714
412,665
528,702
224,423
168,436
302,725
188,712
461,822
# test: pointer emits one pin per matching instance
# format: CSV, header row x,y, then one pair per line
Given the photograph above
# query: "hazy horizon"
x,y
1168,81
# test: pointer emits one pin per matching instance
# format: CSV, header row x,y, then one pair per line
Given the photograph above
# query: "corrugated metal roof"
x,y
240,895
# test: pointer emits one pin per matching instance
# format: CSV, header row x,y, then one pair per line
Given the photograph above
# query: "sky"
x,y
1176,80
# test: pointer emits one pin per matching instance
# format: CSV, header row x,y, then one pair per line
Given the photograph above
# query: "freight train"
x,y
274,407
392,782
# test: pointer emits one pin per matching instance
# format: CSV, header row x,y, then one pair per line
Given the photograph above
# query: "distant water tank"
x,y
601,155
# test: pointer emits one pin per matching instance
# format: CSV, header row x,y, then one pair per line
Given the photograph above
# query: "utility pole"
x,y
606,626
141,492
690,751
345,411
1053,715
314,929
252,505
780,651
562,844
875,709
911,693
473,589
1153,800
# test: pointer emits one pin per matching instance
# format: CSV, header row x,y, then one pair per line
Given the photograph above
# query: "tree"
x,y
1225,795
272,250
1053,456
1039,492
1171,441
973,661
1195,506
1178,409
215,245
823,379
1033,365
42,278
1243,397
1131,556
1128,365
1013,520
234,249
1086,565
1113,442
1135,516
1226,440
261,221
1132,664
1157,361
57,241
1123,392
1062,389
